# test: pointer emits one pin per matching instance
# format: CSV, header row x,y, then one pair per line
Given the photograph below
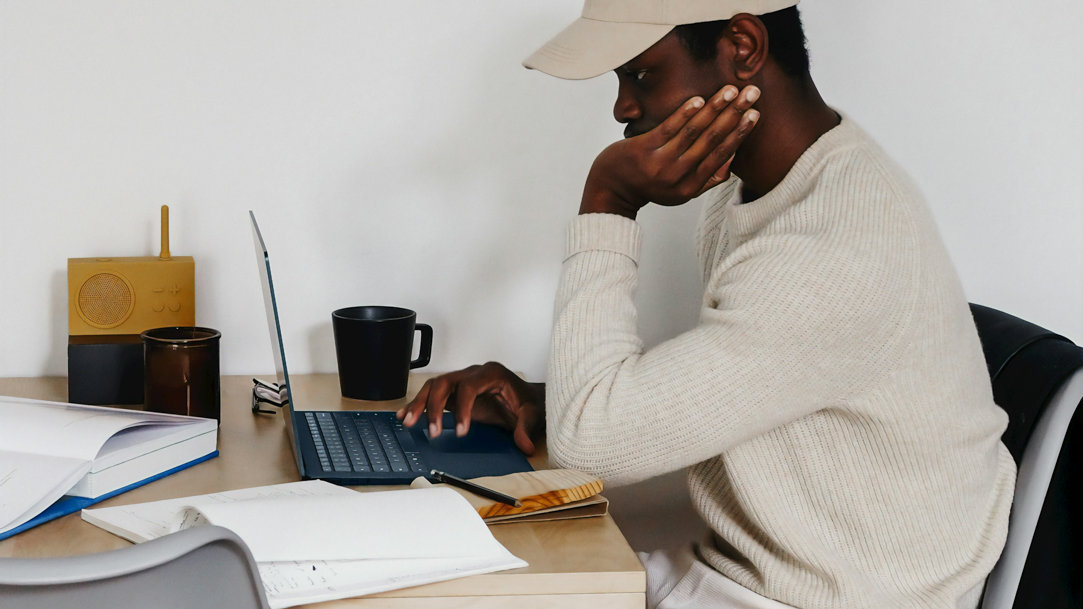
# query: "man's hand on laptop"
x,y
489,393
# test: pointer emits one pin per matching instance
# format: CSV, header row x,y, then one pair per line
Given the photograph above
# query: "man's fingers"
x,y
522,440
465,397
409,413
525,428
674,124
706,115
720,175
727,119
714,168
432,398
434,406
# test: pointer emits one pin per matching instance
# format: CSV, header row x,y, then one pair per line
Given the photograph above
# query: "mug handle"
x,y
426,346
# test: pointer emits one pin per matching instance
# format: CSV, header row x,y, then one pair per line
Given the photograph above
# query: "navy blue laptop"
x,y
367,447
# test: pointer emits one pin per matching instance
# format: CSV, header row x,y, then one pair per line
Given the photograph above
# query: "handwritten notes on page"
x,y
314,541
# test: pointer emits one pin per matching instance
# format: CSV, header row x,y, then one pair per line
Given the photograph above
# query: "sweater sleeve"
x,y
756,360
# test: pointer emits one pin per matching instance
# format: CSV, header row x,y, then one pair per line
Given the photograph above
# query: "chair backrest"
x,y
1037,379
195,568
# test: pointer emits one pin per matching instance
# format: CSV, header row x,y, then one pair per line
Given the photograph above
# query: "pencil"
x,y
477,489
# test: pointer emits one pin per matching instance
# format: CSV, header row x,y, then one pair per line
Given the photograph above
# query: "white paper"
x,y
394,539
145,521
378,525
296,583
65,430
31,483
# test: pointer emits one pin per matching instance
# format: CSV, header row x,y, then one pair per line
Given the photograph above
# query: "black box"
x,y
105,369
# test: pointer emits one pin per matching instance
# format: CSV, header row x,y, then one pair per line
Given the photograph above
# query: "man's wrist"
x,y
539,394
605,202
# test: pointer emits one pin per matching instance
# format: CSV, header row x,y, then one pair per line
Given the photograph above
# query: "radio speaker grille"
x,y
105,300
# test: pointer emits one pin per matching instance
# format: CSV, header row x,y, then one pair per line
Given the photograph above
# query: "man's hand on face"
x,y
686,155
489,393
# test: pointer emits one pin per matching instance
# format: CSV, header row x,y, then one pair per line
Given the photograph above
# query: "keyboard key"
x,y
353,442
416,464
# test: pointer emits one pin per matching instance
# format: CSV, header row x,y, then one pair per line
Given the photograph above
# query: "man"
x,y
832,402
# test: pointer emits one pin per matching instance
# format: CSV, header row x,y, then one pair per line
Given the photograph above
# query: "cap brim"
x,y
588,47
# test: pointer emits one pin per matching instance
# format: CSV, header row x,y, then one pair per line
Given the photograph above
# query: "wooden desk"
x,y
573,564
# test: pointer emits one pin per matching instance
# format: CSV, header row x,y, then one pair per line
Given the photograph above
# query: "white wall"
x,y
983,103
396,152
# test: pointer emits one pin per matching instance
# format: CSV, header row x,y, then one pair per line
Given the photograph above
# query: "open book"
x,y
315,541
58,458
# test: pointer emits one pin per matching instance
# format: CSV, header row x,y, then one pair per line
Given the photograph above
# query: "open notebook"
x,y
338,543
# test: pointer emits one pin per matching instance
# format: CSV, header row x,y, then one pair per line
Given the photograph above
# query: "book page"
x,y
31,483
67,430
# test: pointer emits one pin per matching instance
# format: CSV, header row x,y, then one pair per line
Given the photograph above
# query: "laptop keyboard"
x,y
355,444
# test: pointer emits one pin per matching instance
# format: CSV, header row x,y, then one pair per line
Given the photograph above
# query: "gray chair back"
x,y
195,568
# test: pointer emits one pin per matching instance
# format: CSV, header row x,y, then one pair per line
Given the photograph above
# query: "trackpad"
x,y
481,438
486,450
448,442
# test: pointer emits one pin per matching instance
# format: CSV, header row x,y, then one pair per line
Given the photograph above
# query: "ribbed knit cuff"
x,y
604,232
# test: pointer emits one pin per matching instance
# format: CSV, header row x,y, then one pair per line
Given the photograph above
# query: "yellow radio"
x,y
130,295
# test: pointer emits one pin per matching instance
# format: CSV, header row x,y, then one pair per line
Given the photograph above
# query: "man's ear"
x,y
744,46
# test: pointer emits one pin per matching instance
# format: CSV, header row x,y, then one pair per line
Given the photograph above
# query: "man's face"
x,y
654,84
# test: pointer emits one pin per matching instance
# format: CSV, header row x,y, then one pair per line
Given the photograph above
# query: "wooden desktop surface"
x,y
573,563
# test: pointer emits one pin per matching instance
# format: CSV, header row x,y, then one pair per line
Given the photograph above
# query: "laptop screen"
x,y
274,326
275,329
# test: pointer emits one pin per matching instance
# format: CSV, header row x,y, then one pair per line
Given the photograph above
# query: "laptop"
x,y
373,447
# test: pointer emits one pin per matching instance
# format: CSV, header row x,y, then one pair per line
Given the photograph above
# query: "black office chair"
x,y
1038,380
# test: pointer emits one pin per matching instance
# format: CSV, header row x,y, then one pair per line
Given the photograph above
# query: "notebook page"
x,y
291,581
354,526
295,583
145,521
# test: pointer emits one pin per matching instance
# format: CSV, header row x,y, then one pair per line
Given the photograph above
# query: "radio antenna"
x,y
165,255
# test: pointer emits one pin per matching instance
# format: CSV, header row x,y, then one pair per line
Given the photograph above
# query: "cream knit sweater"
x,y
832,401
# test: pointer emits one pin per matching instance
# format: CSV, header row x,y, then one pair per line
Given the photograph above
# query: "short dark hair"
x,y
786,37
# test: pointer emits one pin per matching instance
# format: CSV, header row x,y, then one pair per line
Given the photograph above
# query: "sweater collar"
x,y
748,218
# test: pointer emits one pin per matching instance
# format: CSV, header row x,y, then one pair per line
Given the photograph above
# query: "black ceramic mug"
x,y
374,345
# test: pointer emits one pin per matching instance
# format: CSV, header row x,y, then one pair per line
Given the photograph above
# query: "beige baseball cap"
x,y
610,33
